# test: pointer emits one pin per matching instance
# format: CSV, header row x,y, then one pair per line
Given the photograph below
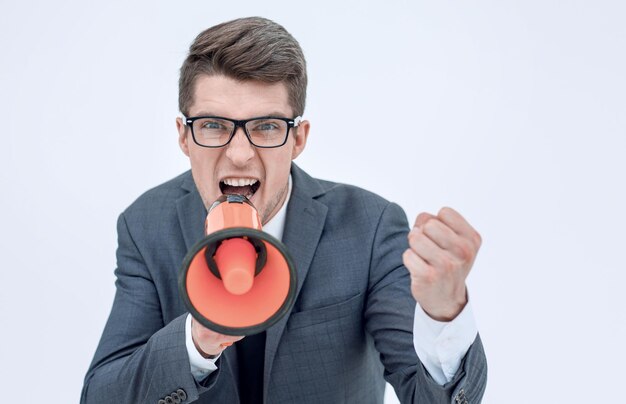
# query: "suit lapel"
x,y
191,213
303,227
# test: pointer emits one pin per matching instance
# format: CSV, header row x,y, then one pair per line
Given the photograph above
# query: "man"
x,y
355,318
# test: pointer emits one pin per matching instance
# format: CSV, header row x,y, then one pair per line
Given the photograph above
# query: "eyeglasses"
x,y
264,132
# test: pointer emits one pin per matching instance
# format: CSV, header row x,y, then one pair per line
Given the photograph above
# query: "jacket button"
x,y
161,401
169,400
460,397
176,398
182,394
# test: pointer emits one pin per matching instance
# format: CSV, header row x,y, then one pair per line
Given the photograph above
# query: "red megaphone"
x,y
237,280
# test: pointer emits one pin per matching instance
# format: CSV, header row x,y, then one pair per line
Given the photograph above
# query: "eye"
x,y
266,126
212,125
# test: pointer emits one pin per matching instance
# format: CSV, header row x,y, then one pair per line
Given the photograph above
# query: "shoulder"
x,y
329,192
345,202
352,203
162,198
336,192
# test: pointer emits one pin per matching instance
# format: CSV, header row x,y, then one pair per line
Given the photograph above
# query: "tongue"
x,y
233,190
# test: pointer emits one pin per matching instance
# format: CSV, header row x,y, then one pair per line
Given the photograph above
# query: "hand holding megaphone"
x,y
210,343
237,280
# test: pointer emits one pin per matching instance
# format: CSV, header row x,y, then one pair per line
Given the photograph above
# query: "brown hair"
x,y
251,48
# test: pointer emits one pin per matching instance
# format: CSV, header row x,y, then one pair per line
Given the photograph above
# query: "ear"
x,y
301,134
183,139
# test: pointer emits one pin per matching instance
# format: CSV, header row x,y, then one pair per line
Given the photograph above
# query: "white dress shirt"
x,y
440,345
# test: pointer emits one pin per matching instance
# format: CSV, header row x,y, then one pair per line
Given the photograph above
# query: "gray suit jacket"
x,y
349,331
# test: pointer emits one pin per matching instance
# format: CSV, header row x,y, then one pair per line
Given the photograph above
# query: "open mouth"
x,y
239,186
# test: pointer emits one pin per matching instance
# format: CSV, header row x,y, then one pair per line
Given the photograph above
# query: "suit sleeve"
x,y
389,319
139,358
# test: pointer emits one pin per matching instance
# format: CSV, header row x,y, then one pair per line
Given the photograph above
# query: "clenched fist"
x,y
441,252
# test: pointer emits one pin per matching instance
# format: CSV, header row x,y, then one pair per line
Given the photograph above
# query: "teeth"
x,y
239,182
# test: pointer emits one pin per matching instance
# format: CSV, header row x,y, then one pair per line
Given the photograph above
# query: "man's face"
x,y
220,170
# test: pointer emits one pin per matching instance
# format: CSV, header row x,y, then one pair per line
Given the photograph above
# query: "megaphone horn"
x,y
237,280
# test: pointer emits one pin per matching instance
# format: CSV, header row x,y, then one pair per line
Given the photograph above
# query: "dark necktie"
x,y
251,358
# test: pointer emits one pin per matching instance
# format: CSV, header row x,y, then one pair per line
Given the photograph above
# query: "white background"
x,y
512,112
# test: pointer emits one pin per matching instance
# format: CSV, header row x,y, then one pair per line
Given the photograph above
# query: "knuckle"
x,y
466,252
477,239
405,256
430,275
415,239
422,218
430,226
447,265
408,259
445,212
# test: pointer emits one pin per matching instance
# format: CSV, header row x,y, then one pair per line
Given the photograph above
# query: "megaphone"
x,y
237,280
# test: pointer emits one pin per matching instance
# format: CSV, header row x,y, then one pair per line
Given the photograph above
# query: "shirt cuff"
x,y
200,367
441,346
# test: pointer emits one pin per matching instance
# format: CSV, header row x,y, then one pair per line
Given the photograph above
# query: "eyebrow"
x,y
274,114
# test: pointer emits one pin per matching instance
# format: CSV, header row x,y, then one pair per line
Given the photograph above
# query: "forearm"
x,y
390,320
152,371
441,346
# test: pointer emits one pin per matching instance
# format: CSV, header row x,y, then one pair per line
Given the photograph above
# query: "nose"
x,y
240,151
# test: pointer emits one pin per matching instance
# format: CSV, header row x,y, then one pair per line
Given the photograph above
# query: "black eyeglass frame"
x,y
291,123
